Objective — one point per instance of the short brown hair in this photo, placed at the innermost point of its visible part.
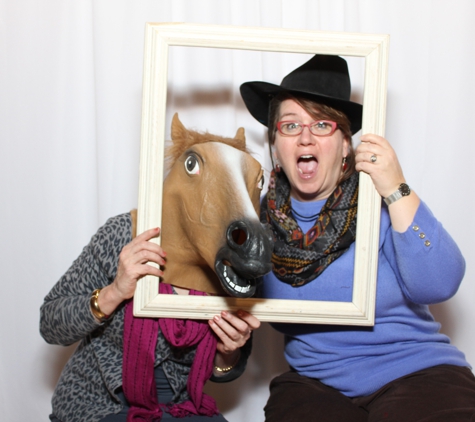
(317, 111)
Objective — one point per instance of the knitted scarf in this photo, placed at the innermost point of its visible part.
(140, 338)
(298, 257)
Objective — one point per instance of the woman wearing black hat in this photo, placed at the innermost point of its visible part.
(402, 369)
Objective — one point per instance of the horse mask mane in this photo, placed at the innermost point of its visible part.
(210, 226)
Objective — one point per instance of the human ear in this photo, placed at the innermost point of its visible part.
(346, 147)
(275, 159)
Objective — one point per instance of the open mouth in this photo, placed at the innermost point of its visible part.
(307, 165)
(232, 283)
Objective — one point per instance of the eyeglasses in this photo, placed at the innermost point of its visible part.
(317, 128)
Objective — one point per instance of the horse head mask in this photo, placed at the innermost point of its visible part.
(210, 226)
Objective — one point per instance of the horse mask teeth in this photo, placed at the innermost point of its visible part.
(233, 284)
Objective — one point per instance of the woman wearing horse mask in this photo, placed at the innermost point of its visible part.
(127, 368)
(402, 369)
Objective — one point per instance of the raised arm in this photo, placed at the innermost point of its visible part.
(134, 263)
(110, 262)
(376, 157)
(430, 264)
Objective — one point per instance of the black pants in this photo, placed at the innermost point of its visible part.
(443, 393)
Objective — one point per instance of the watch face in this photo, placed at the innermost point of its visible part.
(404, 189)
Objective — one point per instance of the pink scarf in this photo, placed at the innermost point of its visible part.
(140, 338)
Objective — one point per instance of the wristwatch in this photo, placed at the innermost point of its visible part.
(403, 190)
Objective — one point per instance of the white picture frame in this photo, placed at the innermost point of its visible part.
(159, 37)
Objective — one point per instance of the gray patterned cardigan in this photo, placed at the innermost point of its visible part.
(91, 379)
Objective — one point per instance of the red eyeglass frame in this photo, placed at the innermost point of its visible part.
(333, 124)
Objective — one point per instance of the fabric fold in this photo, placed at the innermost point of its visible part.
(140, 338)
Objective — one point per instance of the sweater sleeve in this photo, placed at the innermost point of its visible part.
(430, 264)
(65, 315)
(238, 370)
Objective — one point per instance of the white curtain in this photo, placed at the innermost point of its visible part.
(70, 109)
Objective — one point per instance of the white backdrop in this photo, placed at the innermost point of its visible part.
(70, 105)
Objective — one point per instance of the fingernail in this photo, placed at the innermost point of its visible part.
(224, 313)
(216, 318)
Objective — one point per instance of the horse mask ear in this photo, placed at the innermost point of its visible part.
(241, 138)
(178, 130)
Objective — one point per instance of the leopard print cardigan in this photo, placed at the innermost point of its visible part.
(89, 383)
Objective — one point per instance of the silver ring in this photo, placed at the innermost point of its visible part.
(373, 158)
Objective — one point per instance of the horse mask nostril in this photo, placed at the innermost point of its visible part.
(237, 233)
(239, 236)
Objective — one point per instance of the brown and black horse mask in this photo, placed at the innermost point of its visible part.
(211, 232)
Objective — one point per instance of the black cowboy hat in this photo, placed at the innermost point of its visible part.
(323, 79)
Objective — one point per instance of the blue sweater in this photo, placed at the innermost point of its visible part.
(405, 338)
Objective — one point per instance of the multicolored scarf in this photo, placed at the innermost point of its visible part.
(140, 338)
(299, 258)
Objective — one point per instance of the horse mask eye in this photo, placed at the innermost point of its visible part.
(192, 166)
(260, 183)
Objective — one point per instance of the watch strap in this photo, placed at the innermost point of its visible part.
(403, 190)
